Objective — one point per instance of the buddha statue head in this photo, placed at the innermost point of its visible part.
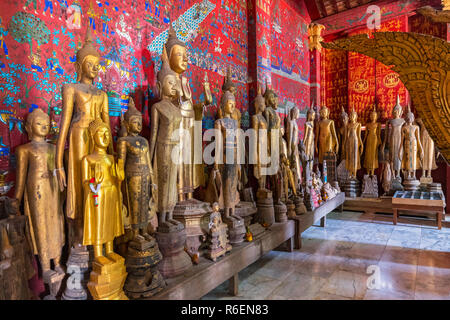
(397, 111)
(324, 112)
(344, 116)
(374, 115)
(99, 132)
(88, 59)
(38, 124)
(228, 103)
(353, 116)
(270, 97)
(167, 84)
(311, 114)
(260, 104)
(133, 119)
(228, 84)
(294, 113)
(409, 118)
(176, 52)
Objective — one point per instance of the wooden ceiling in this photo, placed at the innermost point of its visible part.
(319, 9)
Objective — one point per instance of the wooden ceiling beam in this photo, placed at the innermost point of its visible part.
(322, 9)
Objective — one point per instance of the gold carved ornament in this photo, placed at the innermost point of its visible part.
(423, 63)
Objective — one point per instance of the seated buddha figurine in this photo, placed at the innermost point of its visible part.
(102, 176)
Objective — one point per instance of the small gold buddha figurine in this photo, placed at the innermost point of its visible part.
(372, 141)
(38, 186)
(259, 124)
(191, 171)
(410, 147)
(101, 178)
(353, 145)
(393, 138)
(218, 243)
(308, 138)
(326, 138)
(429, 153)
(133, 150)
(166, 118)
(342, 133)
(226, 163)
(292, 139)
(82, 103)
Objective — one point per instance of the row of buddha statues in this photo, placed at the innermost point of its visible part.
(128, 207)
(406, 147)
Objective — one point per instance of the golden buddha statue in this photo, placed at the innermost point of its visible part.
(308, 137)
(227, 163)
(353, 145)
(292, 139)
(166, 118)
(372, 141)
(393, 138)
(326, 138)
(259, 123)
(228, 85)
(133, 150)
(101, 178)
(342, 133)
(429, 153)
(191, 172)
(42, 200)
(410, 147)
(82, 103)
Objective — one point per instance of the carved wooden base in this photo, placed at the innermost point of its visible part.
(78, 268)
(370, 187)
(144, 280)
(291, 208)
(246, 210)
(236, 229)
(396, 185)
(280, 212)
(300, 207)
(411, 184)
(175, 260)
(106, 281)
(351, 188)
(191, 213)
(53, 280)
(264, 203)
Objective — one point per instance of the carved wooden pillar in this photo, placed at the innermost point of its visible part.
(315, 37)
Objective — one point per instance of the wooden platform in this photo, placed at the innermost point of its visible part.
(304, 221)
(207, 275)
(369, 205)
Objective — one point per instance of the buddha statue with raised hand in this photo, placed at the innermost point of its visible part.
(101, 177)
(82, 103)
(38, 186)
(410, 147)
(166, 118)
(326, 138)
(133, 150)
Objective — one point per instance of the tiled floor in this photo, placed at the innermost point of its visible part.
(412, 259)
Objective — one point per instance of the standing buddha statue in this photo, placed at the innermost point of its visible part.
(410, 148)
(292, 137)
(372, 141)
(393, 138)
(259, 124)
(342, 133)
(103, 221)
(191, 173)
(429, 154)
(82, 103)
(228, 85)
(326, 139)
(226, 150)
(353, 146)
(308, 137)
(38, 186)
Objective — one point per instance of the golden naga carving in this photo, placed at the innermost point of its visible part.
(423, 63)
(315, 36)
(435, 15)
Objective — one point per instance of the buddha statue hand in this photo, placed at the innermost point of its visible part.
(61, 176)
(13, 207)
(120, 167)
